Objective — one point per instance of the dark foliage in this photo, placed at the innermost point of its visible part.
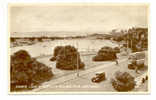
(53, 59)
(123, 82)
(105, 54)
(26, 71)
(68, 58)
(56, 51)
(116, 50)
(137, 39)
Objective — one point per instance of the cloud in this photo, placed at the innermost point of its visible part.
(76, 18)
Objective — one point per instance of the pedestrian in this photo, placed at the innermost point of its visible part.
(136, 69)
(146, 77)
(143, 80)
(116, 59)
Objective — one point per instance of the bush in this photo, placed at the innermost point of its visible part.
(26, 71)
(53, 59)
(68, 58)
(105, 54)
(123, 81)
(117, 50)
(56, 51)
(98, 58)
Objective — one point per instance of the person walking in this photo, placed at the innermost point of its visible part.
(135, 64)
(136, 69)
(116, 58)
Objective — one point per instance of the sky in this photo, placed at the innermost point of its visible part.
(78, 17)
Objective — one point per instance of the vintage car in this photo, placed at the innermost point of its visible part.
(99, 77)
(136, 60)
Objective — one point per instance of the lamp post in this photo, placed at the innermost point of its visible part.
(77, 71)
(64, 46)
(127, 40)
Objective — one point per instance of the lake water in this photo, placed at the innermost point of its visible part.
(46, 48)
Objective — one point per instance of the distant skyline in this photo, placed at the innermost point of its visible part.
(83, 18)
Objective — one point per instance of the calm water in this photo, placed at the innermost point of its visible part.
(46, 48)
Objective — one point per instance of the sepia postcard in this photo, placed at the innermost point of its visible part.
(78, 48)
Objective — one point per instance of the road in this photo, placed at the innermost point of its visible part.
(83, 83)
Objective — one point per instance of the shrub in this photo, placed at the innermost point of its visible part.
(56, 51)
(104, 54)
(27, 71)
(123, 81)
(117, 50)
(53, 59)
(98, 58)
(68, 58)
